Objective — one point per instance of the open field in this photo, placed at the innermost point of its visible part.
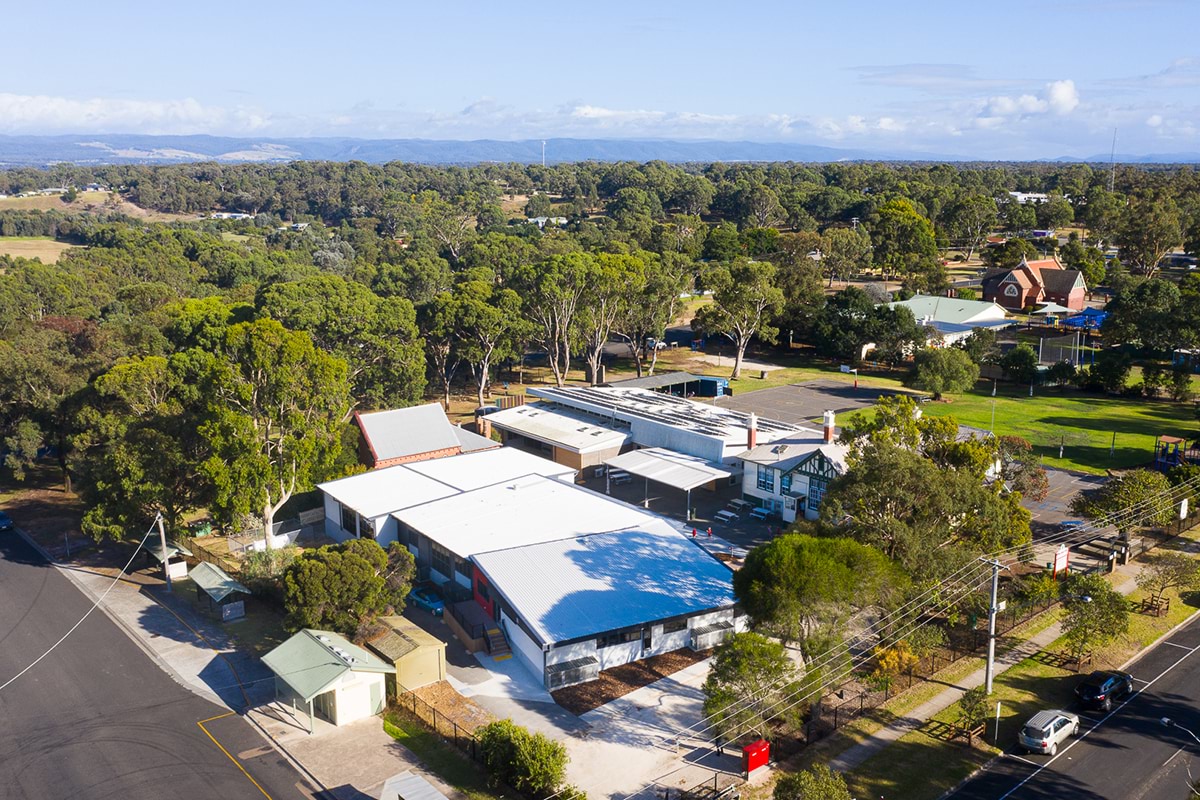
(88, 202)
(41, 247)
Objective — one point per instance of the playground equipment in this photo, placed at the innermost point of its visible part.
(1171, 451)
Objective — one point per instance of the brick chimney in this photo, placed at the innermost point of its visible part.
(752, 432)
(829, 426)
(483, 426)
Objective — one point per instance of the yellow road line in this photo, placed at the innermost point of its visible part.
(226, 752)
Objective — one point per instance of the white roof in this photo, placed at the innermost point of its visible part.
(381, 491)
(950, 309)
(515, 513)
(786, 454)
(666, 466)
(407, 786)
(570, 430)
(405, 432)
(579, 587)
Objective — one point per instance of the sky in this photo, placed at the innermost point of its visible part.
(980, 80)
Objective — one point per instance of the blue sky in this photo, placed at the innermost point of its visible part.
(1013, 80)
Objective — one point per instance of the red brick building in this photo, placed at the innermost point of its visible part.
(1032, 283)
(407, 435)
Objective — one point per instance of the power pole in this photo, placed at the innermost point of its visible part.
(162, 543)
(992, 611)
(544, 153)
(1112, 163)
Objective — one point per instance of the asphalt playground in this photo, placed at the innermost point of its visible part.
(804, 403)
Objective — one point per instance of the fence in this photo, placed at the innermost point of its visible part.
(439, 723)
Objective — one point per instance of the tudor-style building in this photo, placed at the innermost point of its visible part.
(790, 476)
(1033, 282)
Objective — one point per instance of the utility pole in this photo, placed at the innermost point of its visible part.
(991, 655)
(162, 543)
(544, 154)
(1112, 163)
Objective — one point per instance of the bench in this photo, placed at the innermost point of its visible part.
(616, 476)
(761, 513)
(725, 516)
(738, 505)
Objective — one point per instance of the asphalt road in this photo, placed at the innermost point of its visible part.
(98, 719)
(1127, 754)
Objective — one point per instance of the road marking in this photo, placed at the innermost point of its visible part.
(226, 752)
(1180, 646)
(1172, 758)
(1024, 760)
(1088, 732)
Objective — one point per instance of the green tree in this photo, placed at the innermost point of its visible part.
(1163, 571)
(1148, 315)
(538, 206)
(339, 587)
(551, 292)
(491, 326)
(971, 220)
(1055, 212)
(1150, 228)
(804, 589)
(939, 370)
(1020, 364)
(1138, 498)
(844, 250)
(745, 299)
(528, 762)
(1088, 260)
(749, 677)
(817, 783)
(276, 407)
(1096, 614)
(613, 287)
(905, 245)
(980, 346)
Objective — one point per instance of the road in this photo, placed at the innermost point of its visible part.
(98, 719)
(1127, 754)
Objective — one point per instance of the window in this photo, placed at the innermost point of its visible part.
(785, 483)
(365, 529)
(1011, 290)
(613, 639)
(463, 567)
(766, 479)
(349, 520)
(675, 626)
(481, 589)
(441, 559)
(405, 534)
(816, 492)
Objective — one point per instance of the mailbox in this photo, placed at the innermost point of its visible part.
(755, 757)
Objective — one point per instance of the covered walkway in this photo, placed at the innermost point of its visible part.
(669, 468)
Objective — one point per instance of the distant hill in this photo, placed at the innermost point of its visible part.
(136, 149)
(87, 149)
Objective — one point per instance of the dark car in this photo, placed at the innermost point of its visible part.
(6, 523)
(1103, 687)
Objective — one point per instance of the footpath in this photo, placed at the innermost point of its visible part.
(915, 718)
(346, 763)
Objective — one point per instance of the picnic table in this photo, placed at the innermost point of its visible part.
(725, 515)
(738, 505)
(761, 513)
(619, 476)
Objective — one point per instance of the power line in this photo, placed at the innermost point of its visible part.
(95, 605)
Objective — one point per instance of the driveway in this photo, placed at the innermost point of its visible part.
(1049, 514)
(804, 403)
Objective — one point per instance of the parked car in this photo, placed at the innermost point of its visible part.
(1102, 687)
(426, 598)
(1045, 730)
(6, 523)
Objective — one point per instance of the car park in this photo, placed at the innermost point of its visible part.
(6, 523)
(1046, 730)
(426, 598)
(1103, 688)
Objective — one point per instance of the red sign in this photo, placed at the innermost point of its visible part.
(755, 755)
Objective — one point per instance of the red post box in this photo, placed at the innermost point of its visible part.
(755, 756)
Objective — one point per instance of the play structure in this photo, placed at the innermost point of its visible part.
(1172, 451)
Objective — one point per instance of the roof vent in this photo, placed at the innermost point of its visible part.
(322, 637)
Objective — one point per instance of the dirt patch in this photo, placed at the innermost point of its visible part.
(48, 515)
(47, 250)
(462, 711)
(620, 681)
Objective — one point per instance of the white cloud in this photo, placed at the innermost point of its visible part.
(44, 113)
(1154, 120)
(1062, 97)
(1058, 97)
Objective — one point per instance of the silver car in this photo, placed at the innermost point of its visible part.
(1045, 730)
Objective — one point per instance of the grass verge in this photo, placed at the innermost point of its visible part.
(440, 758)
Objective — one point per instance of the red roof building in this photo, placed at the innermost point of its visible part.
(1031, 283)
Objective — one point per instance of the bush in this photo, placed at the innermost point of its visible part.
(818, 783)
(973, 708)
(528, 762)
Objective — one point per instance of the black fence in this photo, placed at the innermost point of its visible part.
(439, 723)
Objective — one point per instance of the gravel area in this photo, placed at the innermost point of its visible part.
(620, 681)
(468, 714)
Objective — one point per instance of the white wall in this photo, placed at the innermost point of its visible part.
(652, 434)
(619, 654)
(524, 648)
(666, 642)
(386, 530)
(354, 696)
(570, 652)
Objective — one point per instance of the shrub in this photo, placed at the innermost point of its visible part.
(528, 762)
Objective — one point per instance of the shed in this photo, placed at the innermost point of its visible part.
(334, 679)
(219, 590)
(407, 786)
(175, 557)
(418, 656)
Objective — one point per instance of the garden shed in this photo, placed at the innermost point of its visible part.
(418, 656)
(222, 593)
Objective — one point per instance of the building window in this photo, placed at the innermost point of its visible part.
(365, 529)
(785, 483)
(766, 479)
(816, 492)
(463, 567)
(441, 559)
(481, 589)
(1011, 290)
(613, 639)
(349, 520)
(674, 626)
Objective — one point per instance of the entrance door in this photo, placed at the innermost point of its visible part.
(376, 697)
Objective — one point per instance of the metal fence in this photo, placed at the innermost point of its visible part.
(439, 723)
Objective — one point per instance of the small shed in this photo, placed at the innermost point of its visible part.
(418, 656)
(407, 786)
(333, 679)
(219, 591)
(175, 557)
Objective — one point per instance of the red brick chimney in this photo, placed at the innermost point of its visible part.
(829, 426)
(483, 426)
(752, 432)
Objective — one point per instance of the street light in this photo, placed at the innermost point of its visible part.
(1170, 723)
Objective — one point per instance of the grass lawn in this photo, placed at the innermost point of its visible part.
(439, 757)
(42, 247)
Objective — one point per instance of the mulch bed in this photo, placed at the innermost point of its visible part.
(620, 681)
(468, 714)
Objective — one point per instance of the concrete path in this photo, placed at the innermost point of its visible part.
(905, 725)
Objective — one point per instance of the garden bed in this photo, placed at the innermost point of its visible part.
(620, 681)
